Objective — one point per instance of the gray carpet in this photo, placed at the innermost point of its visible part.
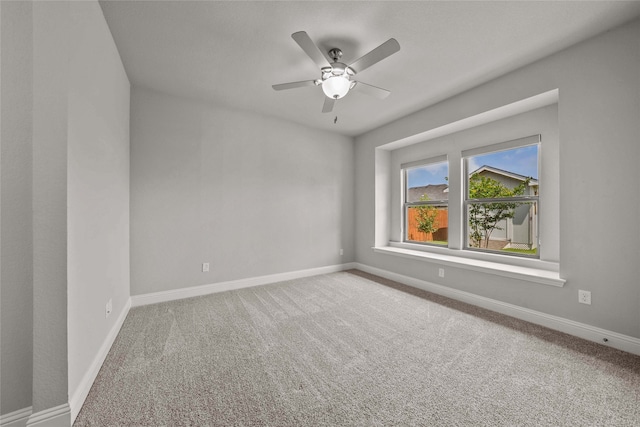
(351, 349)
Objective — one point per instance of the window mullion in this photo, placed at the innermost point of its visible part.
(506, 199)
(427, 203)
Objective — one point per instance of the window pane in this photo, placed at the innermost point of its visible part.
(428, 224)
(508, 173)
(428, 182)
(510, 227)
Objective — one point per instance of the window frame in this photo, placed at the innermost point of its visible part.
(404, 168)
(467, 201)
(537, 114)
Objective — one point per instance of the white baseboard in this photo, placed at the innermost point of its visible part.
(80, 394)
(17, 418)
(581, 330)
(58, 416)
(196, 291)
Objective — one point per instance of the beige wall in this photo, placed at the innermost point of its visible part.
(598, 110)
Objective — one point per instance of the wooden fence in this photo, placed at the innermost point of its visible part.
(442, 222)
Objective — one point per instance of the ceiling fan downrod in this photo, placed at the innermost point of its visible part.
(335, 54)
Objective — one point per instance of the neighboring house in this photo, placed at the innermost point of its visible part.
(433, 192)
(508, 179)
(518, 232)
(521, 231)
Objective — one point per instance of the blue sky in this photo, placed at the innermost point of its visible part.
(434, 173)
(521, 160)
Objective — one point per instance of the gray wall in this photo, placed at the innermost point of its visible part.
(51, 49)
(598, 113)
(64, 194)
(16, 278)
(249, 194)
(97, 190)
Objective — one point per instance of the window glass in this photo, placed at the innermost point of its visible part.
(426, 203)
(501, 201)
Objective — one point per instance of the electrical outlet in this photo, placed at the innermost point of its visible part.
(584, 297)
(108, 308)
(441, 272)
(341, 252)
(205, 267)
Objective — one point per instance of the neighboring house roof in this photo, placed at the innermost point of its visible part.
(433, 192)
(485, 168)
(441, 191)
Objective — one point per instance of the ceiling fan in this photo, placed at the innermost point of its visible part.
(337, 78)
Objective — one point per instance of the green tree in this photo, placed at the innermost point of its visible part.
(484, 218)
(426, 217)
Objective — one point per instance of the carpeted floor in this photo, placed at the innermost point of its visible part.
(351, 349)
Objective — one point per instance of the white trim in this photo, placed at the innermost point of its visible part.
(528, 104)
(82, 391)
(57, 416)
(424, 162)
(502, 146)
(520, 272)
(581, 330)
(17, 418)
(195, 291)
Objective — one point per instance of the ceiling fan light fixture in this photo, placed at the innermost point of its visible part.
(336, 86)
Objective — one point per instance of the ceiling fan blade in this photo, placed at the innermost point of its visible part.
(378, 92)
(294, 85)
(386, 49)
(310, 48)
(328, 104)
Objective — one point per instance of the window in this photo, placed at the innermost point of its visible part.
(501, 196)
(497, 199)
(425, 201)
(463, 145)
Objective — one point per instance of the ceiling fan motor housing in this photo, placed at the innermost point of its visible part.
(336, 79)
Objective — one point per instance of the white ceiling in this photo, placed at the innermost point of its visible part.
(231, 52)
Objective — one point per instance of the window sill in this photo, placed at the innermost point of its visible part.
(530, 274)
